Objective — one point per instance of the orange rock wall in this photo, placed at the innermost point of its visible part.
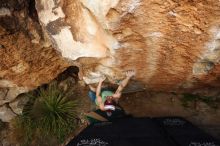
(172, 45)
(166, 41)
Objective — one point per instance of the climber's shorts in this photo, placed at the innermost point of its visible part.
(92, 95)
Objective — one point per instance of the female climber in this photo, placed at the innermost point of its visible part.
(106, 99)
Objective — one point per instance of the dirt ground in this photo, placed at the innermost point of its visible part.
(155, 104)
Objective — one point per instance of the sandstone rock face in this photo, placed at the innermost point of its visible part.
(27, 59)
(6, 114)
(172, 45)
(9, 91)
(18, 104)
(25, 47)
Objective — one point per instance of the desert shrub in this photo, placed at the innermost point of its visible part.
(49, 113)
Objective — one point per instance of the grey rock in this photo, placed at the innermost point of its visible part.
(3, 94)
(9, 91)
(14, 92)
(202, 67)
(214, 56)
(18, 104)
(5, 142)
(5, 12)
(6, 114)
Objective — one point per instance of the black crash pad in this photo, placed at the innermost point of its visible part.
(184, 133)
(165, 131)
(122, 132)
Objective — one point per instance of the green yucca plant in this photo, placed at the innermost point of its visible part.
(52, 112)
(24, 129)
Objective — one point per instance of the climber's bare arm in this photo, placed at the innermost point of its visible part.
(101, 104)
(123, 84)
(98, 91)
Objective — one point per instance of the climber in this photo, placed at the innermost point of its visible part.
(106, 99)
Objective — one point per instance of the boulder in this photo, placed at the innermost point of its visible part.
(6, 114)
(18, 104)
(172, 45)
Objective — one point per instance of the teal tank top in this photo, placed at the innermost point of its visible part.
(104, 94)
